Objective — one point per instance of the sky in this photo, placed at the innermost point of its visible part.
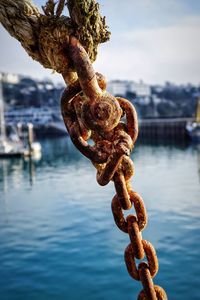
(151, 40)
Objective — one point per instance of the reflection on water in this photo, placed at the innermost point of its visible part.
(14, 170)
(58, 238)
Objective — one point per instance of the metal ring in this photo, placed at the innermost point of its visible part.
(160, 293)
(151, 258)
(118, 215)
(147, 282)
(135, 237)
(131, 116)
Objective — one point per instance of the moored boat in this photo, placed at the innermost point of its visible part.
(193, 128)
(15, 147)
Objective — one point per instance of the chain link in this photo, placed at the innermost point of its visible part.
(90, 112)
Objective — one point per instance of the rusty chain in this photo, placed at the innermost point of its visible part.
(90, 112)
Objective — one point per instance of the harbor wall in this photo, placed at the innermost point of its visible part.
(169, 129)
(149, 129)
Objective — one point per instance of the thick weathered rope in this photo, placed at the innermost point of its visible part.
(45, 35)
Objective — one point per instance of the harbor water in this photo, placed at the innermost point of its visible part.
(58, 239)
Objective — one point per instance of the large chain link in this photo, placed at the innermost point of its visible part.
(90, 112)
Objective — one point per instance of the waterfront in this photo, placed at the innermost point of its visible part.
(58, 237)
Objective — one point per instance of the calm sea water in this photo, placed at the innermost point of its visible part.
(58, 239)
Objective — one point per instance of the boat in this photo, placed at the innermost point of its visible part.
(8, 151)
(34, 149)
(7, 148)
(15, 147)
(193, 128)
(47, 122)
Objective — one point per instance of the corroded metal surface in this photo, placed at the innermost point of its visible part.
(90, 112)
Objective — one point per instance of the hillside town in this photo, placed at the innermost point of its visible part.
(151, 101)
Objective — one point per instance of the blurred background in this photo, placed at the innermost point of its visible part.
(58, 237)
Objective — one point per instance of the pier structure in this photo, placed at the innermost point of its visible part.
(169, 128)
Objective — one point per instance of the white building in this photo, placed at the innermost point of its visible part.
(118, 87)
(121, 87)
(141, 89)
(9, 78)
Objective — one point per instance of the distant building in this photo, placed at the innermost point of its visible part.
(9, 78)
(158, 88)
(141, 89)
(118, 87)
(122, 87)
(156, 100)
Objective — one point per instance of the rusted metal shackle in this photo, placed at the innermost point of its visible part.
(71, 107)
(101, 111)
(98, 153)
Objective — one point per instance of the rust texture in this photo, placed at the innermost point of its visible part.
(90, 112)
